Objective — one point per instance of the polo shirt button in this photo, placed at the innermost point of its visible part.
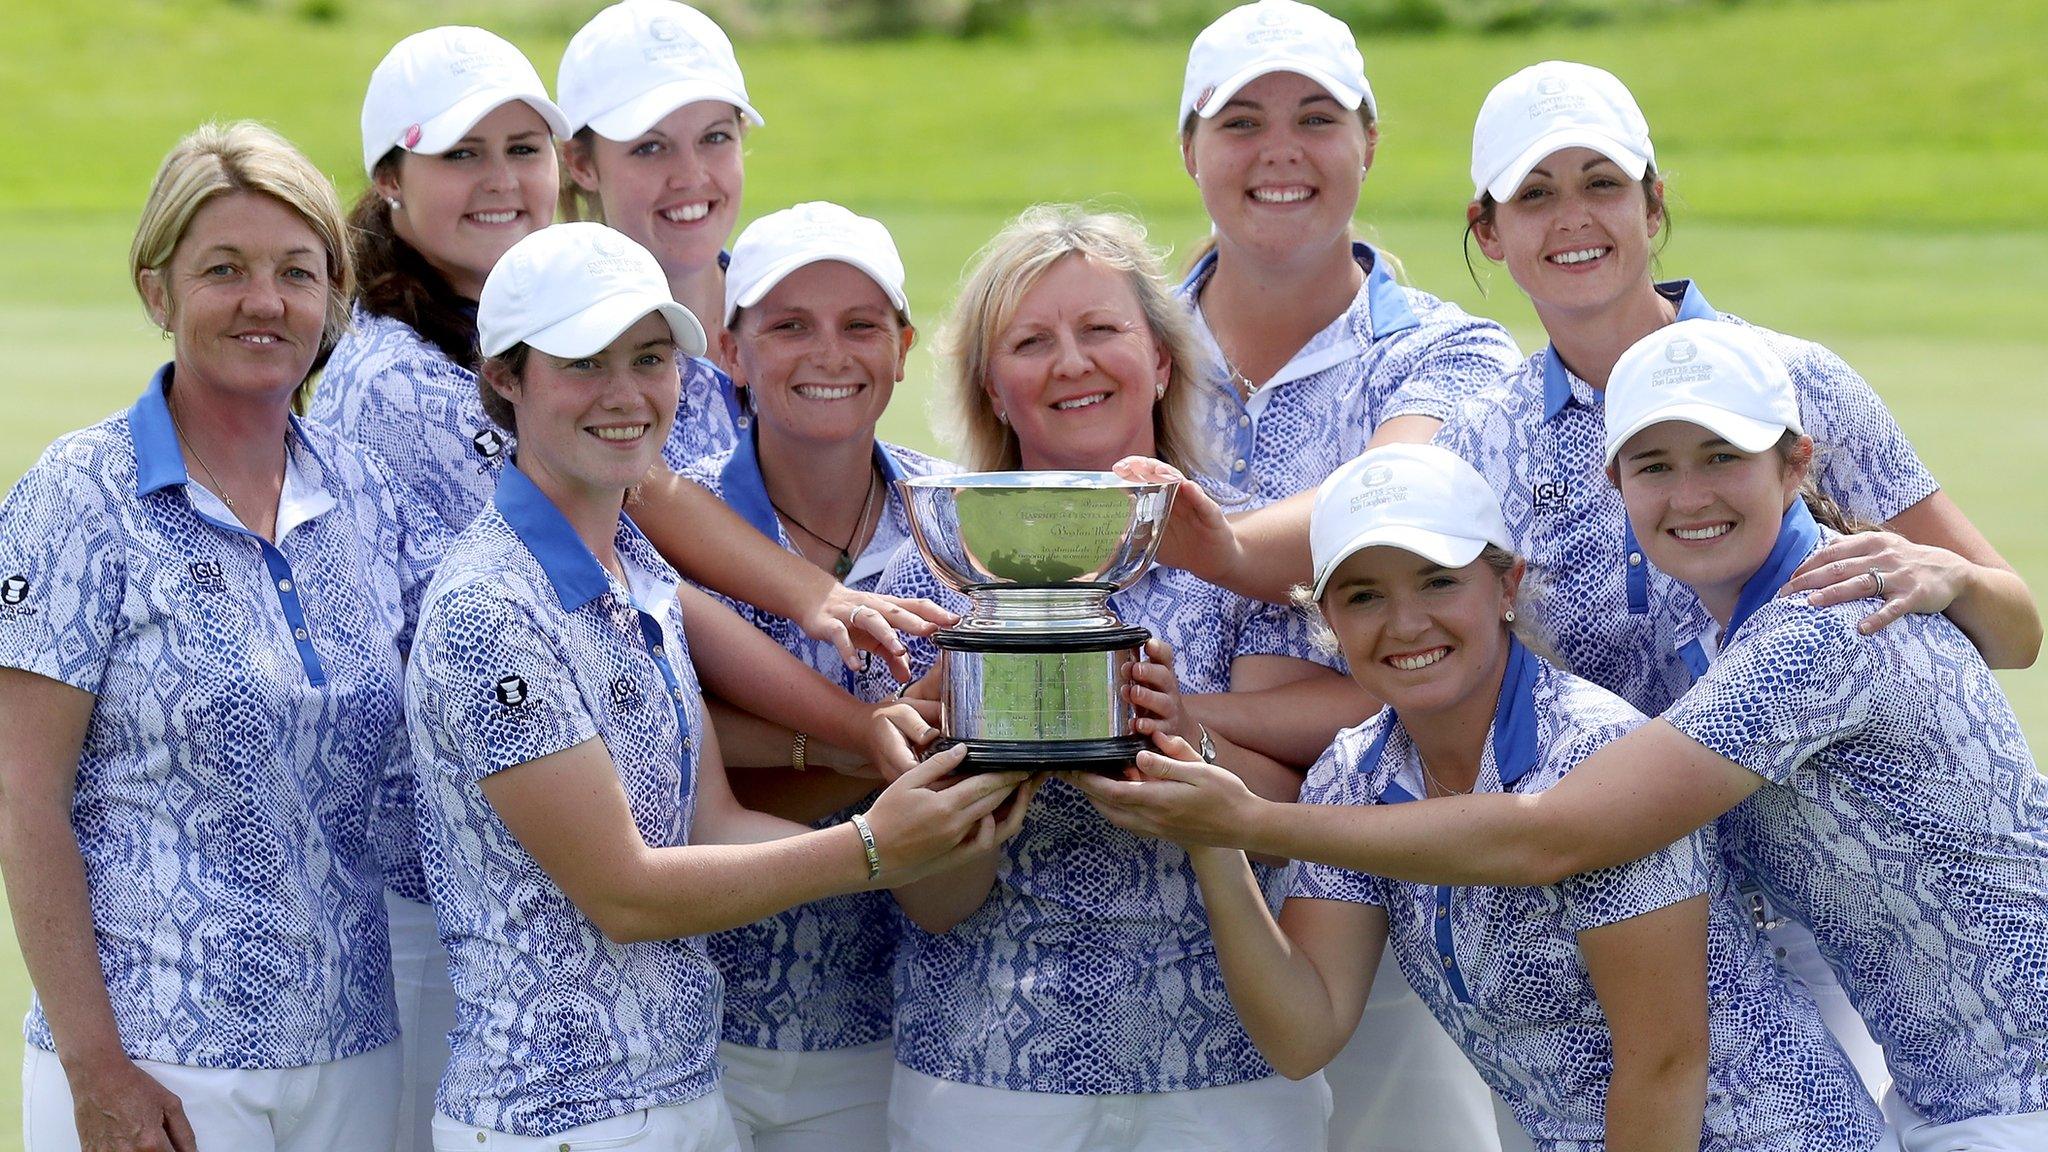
(284, 585)
(480, 1137)
(1635, 558)
(298, 633)
(1238, 464)
(1442, 912)
(1244, 421)
(1447, 961)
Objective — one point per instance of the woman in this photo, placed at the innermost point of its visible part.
(200, 661)
(576, 801)
(1315, 350)
(1066, 995)
(657, 109)
(816, 329)
(1628, 1008)
(1913, 843)
(1568, 197)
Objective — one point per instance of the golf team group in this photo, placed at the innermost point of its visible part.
(477, 697)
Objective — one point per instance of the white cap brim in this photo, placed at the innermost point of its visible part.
(1435, 547)
(1343, 93)
(593, 329)
(1504, 182)
(780, 272)
(442, 132)
(1744, 432)
(636, 116)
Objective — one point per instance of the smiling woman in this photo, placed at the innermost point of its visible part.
(201, 647)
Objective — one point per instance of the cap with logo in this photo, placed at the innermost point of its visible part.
(1248, 42)
(779, 243)
(1415, 497)
(571, 289)
(1720, 376)
(433, 86)
(1548, 107)
(639, 60)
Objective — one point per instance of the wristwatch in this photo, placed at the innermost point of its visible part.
(1206, 747)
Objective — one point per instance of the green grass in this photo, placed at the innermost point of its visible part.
(1863, 173)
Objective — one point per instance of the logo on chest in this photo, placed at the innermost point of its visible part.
(627, 693)
(489, 444)
(511, 691)
(1552, 495)
(13, 590)
(207, 576)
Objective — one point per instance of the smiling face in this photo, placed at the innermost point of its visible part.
(1576, 233)
(463, 208)
(1706, 512)
(1077, 369)
(675, 189)
(1423, 638)
(1279, 166)
(821, 354)
(244, 296)
(591, 427)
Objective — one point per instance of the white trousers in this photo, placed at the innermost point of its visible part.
(1908, 1131)
(426, 1014)
(835, 1101)
(702, 1125)
(1276, 1114)
(1402, 1084)
(1799, 955)
(341, 1106)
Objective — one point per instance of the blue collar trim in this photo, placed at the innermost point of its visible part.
(1798, 536)
(746, 490)
(159, 463)
(1513, 734)
(1557, 383)
(1385, 301)
(574, 572)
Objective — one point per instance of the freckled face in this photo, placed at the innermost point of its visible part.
(594, 425)
(1418, 636)
(1706, 512)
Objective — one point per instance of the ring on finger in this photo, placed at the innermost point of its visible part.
(1877, 583)
(857, 610)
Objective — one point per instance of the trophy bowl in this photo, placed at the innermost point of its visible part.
(1030, 678)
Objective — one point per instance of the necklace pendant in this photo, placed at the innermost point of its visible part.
(842, 566)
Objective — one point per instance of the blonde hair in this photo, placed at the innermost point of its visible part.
(1007, 268)
(1528, 626)
(244, 156)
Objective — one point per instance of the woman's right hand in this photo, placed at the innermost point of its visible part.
(120, 1108)
(1199, 537)
(930, 820)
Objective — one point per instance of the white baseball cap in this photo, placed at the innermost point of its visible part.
(639, 60)
(570, 289)
(779, 243)
(1415, 497)
(1247, 42)
(1551, 106)
(1720, 376)
(433, 86)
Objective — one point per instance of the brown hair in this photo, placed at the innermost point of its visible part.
(398, 282)
(1207, 243)
(1004, 270)
(510, 365)
(217, 159)
(1653, 197)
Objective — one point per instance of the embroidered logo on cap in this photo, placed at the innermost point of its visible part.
(1377, 487)
(412, 137)
(511, 691)
(1550, 85)
(1202, 101)
(1681, 351)
(663, 28)
(13, 590)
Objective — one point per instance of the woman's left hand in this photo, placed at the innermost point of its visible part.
(1910, 577)
(857, 622)
(1176, 797)
(1151, 687)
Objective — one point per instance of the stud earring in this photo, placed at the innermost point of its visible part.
(391, 202)
(1002, 417)
(1159, 392)
(1508, 617)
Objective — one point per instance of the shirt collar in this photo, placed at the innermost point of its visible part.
(1557, 379)
(576, 575)
(746, 490)
(160, 464)
(1386, 305)
(1798, 536)
(1513, 734)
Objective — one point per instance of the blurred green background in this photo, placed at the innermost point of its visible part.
(1867, 173)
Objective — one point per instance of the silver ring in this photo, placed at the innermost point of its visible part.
(857, 610)
(1877, 582)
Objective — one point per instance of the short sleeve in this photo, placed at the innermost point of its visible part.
(1670, 875)
(1457, 356)
(1335, 778)
(496, 689)
(62, 575)
(1795, 680)
(1283, 630)
(1865, 462)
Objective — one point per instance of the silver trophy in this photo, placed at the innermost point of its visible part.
(1030, 678)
